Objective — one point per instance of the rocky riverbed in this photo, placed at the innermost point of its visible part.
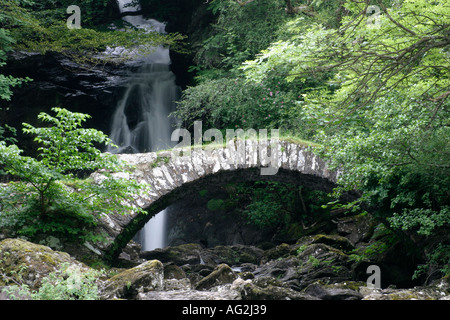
(317, 267)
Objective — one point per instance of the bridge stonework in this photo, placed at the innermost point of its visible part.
(179, 172)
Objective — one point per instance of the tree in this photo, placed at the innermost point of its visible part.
(382, 113)
(47, 196)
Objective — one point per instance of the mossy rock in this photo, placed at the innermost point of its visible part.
(172, 271)
(357, 228)
(334, 241)
(236, 254)
(148, 276)
(222, 274)
(179, 255)
(402, 294)
(319, 261)
(348, 290)
(268, 288)
(28, 263)
(279, 251)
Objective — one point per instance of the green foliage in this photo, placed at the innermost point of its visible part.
(215, 204)
(231, 103)
(382, 239)
(47, 198)
(372, 91)
(41, 27)
(437, 259)
(382, 114)
(70, 282)
(275, 205)
(240, 32)
(223, 98)
(423, 221)
(6, 43)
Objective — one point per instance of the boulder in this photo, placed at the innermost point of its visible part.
(267, 288)
(177, 284)
(28, 263)
(357, 228)
(179, 255)
(233, 255)
(219, 294)
(334, 241)
(148, 276)
(438, 290)
(222, 274)
(172, 271)
(284, 269)
(307, 264)
(322, 262)
(279, 251)
(338, 291)
(396, 294)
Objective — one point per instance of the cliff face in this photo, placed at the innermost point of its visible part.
(59, 82)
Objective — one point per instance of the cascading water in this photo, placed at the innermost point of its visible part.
(141, 121)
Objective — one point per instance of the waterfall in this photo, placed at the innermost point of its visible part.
(141, 120)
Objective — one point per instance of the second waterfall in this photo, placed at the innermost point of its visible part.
(141, 121)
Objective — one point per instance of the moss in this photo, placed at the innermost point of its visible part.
(148, 276)
(25, 262)
(215, 204)
(408, 295)
(159, 161)
(334, 241)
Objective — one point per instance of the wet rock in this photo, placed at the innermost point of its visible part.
(60, 81)
(438, 290)
(219, 293)
(336, 291)
(279, 251)
(130, 255)
(236, 254)
(393, 294)
(284, 269)
(222, 274)
(267, 288)
(146, 277)
(179, 255)
(172, 271)
(357, 228)
(177, 284)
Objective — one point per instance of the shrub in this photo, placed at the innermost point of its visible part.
(47, 198)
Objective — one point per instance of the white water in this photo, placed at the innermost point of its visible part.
(141, 120)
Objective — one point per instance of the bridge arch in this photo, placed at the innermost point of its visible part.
(179, 173)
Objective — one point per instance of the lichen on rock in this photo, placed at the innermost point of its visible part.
(23, 262)
(147, 276)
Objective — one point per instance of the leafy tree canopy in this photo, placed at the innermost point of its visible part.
(382, 114)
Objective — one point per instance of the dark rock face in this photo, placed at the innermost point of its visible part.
(60, 82)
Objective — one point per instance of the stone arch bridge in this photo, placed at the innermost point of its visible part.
(178, 173)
